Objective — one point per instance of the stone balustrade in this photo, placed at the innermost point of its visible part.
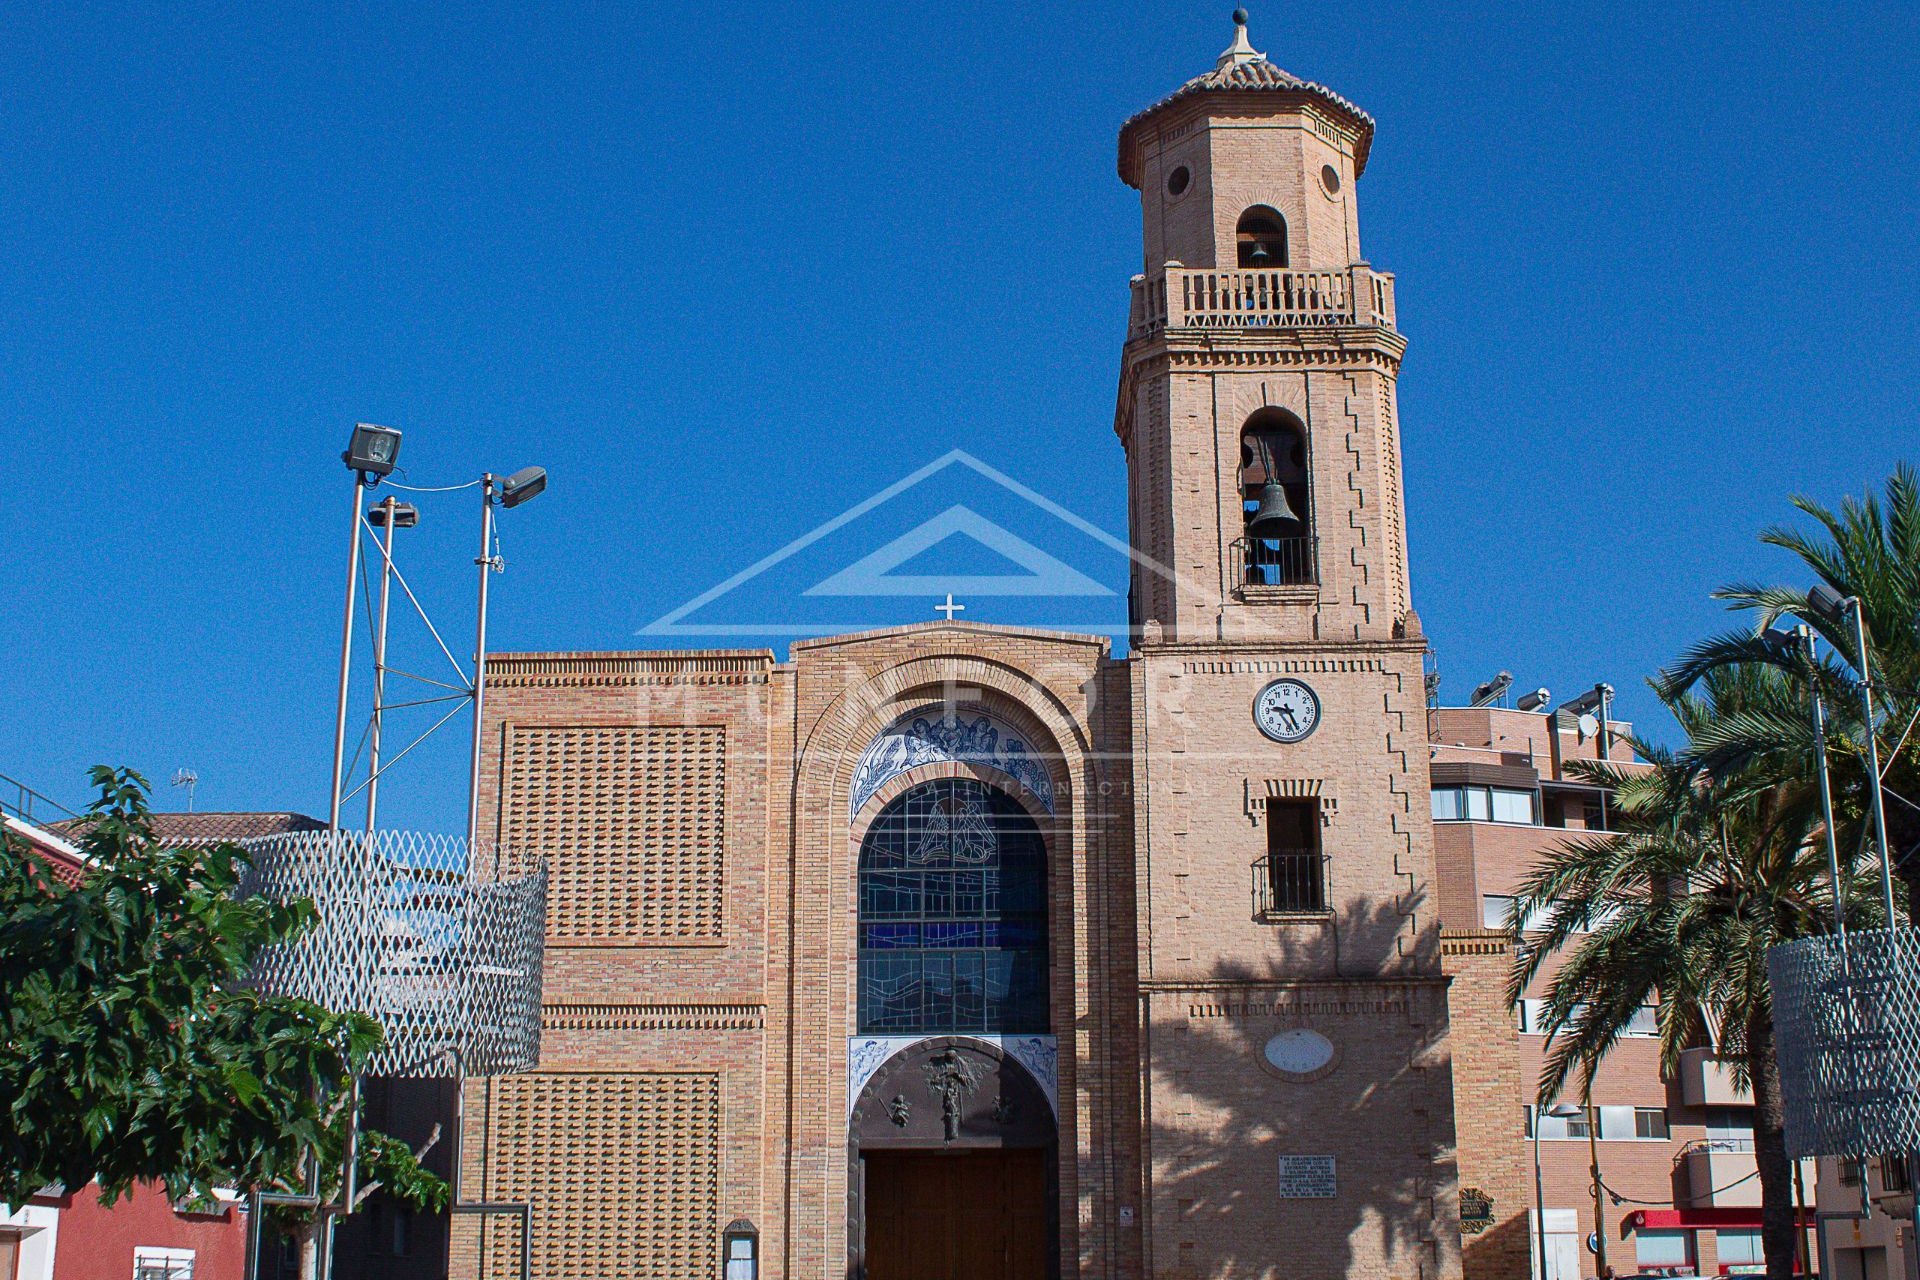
(1208, 298)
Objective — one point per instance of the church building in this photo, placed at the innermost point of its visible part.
(957, 950)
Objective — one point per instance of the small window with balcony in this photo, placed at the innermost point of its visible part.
(1261, 237)
(1291, 879)
(1275, 503)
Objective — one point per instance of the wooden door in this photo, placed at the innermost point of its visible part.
(974, 1215)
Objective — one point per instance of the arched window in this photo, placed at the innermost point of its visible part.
(953, 914)
(1262, 237)
(1275, 501)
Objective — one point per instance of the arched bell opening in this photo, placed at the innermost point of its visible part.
(1276, 499)
(1261, 238)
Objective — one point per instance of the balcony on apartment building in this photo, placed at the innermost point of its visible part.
(1720, 1169)
(1721, 1174)
(1707, 1081)
(1179, 297)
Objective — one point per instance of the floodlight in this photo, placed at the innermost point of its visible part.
(372, 451)
(405, 515)
(522, 485)
(1827, 602)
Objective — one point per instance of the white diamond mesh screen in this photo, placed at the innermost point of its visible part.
(1847, 1034)
(440, 947)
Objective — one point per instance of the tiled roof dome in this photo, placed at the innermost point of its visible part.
(1242, 68)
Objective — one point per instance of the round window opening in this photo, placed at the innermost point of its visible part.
(1178, 181)
(1330, 179)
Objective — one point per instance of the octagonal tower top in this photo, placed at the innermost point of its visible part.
(1256, 88)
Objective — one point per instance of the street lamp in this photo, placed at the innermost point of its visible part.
(1559, 1111)
(522, 486)
(372, 452)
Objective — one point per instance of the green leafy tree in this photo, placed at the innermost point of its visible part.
(134, 1050)
(1869, 548)
(1677, 909)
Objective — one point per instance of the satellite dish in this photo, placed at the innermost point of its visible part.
(1589, 726)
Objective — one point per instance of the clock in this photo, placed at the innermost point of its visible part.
(1287, 710)
(1300, 1054)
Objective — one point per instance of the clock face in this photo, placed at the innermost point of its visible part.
(1299, 1052)
(1287, 710)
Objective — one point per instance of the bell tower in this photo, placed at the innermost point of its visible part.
(1257, 385)
(1297, 1099)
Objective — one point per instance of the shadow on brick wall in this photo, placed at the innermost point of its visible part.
(1384, 1111)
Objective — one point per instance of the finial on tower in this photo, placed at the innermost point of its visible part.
(1240, 50)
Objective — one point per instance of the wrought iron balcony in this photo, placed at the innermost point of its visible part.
(1274, 562)
(1206, 298)
(1290, 883)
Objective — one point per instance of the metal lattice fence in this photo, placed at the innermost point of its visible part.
(435, 941)
(1847, 1034)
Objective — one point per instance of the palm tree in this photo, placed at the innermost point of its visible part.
(1677, 909)
(1869, 549)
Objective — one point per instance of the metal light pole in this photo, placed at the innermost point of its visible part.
(485, 560)
(522, 486)
(1559, 1111)
(371, 453)
(1835, 608)
(1879, 804)
(391, 514)
(1805, 634)
(346, 655)
(1599, 1207)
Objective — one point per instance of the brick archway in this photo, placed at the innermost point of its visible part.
(868, 695)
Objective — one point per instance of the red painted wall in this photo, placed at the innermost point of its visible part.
(97, 1242)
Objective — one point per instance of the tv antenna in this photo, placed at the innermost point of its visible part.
(189, 779)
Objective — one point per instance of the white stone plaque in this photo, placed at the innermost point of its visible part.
(1306, 1178)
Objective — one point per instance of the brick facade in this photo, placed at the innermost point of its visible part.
(698, 812)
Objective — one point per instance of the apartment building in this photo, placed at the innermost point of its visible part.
(1681, 1195)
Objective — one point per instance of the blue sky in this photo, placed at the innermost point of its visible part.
(727, 271)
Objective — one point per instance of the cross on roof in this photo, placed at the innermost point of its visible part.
(949, 608)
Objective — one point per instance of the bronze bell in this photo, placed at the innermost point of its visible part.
(1259, 255)
(1274, 517)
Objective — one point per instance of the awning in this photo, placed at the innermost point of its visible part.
(1730, 1219)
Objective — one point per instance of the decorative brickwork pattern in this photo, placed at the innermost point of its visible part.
(630, 817)
(622, 1171)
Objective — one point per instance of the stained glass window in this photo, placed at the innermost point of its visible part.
(953, 915)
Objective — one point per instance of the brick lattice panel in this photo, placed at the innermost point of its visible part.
(622, 1171)
(630, 818)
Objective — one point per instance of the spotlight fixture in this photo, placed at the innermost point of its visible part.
(373, 451)
(522, 486)
(1828, 603)
(405, 515)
